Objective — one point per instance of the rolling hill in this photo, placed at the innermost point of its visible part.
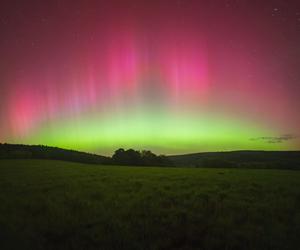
(234, 159)
(20, 151)
(241, 159)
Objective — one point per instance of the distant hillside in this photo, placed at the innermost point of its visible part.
(19, 151)
(234, 159)
(128, 157)
(241, 159)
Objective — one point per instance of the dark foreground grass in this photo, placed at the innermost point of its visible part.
(60, 205)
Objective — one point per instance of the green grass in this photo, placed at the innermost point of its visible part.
(61, 205)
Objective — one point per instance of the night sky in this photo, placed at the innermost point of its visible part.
(172, 76)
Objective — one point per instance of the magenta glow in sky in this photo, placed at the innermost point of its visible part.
(172, 76)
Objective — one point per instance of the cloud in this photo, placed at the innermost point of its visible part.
(275, 139)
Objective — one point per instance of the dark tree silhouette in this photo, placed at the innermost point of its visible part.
(121, 156)
(127, 157)
(143, 158)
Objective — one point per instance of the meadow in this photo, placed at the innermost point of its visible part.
(47, 204)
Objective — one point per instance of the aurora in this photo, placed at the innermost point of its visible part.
(170, 77)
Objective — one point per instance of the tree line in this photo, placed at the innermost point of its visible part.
(139, 158)
(120, 156)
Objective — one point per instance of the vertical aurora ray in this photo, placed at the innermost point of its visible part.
(121, 76)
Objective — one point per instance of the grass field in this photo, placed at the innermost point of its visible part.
(61, 205)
